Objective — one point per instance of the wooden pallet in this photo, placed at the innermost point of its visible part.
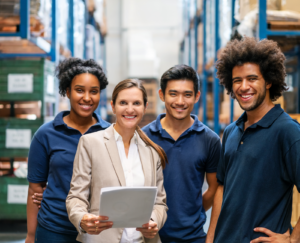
(284, 25)
(19, 46)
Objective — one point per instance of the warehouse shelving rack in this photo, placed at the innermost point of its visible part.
(40, 68)
(51, 50)
(193, 28)
(263, 32)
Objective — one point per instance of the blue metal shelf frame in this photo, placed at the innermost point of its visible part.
(24, 33)
(196, 23)
(24, 21)
(189, 33)
(204, 75)
(216, 88)
(263, 31)
(71, 27)
(232, 25)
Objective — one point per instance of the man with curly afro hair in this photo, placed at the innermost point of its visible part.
(260, 157)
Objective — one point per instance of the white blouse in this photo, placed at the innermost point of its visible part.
(134, 176)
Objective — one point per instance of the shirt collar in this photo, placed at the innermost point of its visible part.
(157, 127)
(266, 121)
(58, 120)
(118, 137)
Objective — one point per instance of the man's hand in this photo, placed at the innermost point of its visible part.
(92, 224)
(273, 237)
(29, 239)
(149, 230)
(38, 197)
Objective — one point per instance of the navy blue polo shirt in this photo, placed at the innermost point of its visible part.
(258, 168)
(51, 157)
(195, 152)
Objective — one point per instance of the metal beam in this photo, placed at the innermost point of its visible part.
(8, 34)
(13, 55)
(262, 19)
(282, 33)
(232, 25)
(196, 106)
(54, 53)
(189, 33)
(71, 27)
(196, 36)
(24, 19)
(204, 77)
(216, 81)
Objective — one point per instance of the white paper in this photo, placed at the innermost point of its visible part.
(17, 194)
(18, 138)
(20, 83)
(127, 207)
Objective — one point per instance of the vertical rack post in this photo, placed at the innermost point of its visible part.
(262, 19)
(24, 19)
(196, 22)
(86, 19)
(204, 77)
(54, 44)
(196, 36)
(232, 25)
(71, 27)
(216, 81)
(189, 33)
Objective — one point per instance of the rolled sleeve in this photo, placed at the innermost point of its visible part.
(38, 162)
(214, 157)
(221, 165)
(292, 161)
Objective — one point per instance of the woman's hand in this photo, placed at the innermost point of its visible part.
(38, 197)
(92, 224)
(149, 230)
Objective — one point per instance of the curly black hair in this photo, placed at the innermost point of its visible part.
(264, 53)
(71, 67)
(179, 72)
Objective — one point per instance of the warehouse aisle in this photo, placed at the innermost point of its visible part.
(12, 231)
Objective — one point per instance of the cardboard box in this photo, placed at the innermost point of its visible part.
(248, 5)
(290, 5)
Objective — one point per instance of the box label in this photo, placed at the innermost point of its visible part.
(20, 83)
(18, 138)
(50, 84)
(17, 194)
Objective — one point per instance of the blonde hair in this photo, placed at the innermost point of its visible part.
(130, 83)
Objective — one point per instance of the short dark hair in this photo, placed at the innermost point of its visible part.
(71, 67)
(179, 72)
(264, 53)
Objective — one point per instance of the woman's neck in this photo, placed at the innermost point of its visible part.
(78, 122)
(126, 133)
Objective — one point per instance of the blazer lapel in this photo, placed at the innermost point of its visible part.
(112, 149)
(146, 160)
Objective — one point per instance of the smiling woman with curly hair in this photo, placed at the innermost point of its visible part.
(264, 53)
(53, 148)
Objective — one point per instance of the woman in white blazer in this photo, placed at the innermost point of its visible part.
(121, 155)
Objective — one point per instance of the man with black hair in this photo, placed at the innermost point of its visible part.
(193, 150)
(260, 157)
